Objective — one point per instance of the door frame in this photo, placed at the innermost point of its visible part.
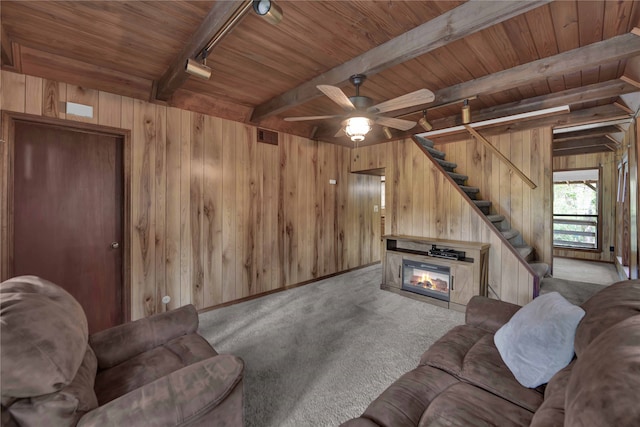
(7, 142)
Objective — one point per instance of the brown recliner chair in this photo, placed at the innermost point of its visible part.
(155, 371)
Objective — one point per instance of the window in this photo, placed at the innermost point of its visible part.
(576, 209)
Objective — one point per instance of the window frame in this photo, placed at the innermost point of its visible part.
(598, 247)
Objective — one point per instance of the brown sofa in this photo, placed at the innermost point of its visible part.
(154, 371)
(462, 381)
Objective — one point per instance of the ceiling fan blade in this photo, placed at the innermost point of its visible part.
(392, 122)
(301, 119)
(339, 133)
(337, 95)
(419, 97)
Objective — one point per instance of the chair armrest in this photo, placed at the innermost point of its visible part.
(115, 345)
(489, 314)
(176, 399)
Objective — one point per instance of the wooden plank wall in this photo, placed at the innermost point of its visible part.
(215, 216)
(608, 188)
(421, 202)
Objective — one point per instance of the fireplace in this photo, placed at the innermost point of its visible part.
(427, 279)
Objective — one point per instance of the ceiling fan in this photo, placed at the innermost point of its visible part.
(360, 113)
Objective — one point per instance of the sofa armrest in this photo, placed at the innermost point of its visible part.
(489, 314)
(176, 399)
(115, 345)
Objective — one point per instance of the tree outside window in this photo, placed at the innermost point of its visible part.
(576, 209)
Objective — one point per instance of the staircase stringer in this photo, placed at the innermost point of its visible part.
(483, 217)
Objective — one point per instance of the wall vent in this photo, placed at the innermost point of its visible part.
(267, 136)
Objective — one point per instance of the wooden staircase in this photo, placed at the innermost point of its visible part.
(513, 236)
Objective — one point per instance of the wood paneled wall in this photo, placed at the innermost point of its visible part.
(420, 201)
(216, 216)
(608, 188)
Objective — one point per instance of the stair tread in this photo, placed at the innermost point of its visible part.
(447, 164)
(459, 176)
(482, 202)
(435, 153)
(510, 233)
(524, 250)
(540, 268)
(468, 189)
(495, 218)
(424, 141)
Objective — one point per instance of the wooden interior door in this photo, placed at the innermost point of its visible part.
(68, 215)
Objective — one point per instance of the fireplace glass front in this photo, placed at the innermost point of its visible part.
(427, 279)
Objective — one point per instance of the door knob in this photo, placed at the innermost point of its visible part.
(115, 245)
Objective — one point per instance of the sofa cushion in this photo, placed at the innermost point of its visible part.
(604, 384)
(403, 402)
(538, 340)
(43, 339)
(149, 366)
(469, 353)
(606, 308)
(466, 405)
(64, 407)
(551, 412)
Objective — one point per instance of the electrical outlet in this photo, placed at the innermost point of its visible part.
(375, 208)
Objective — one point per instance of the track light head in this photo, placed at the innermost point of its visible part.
(197, 69)
(424, 122)
(387, 132)
(268, 10)
(466, 112)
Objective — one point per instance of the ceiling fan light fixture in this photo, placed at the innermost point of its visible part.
(267, 9)
(424, 122)
(357, 127)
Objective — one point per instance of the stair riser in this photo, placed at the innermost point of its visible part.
(484, 209)
(459, 181)
(472, 196)
(435, 153)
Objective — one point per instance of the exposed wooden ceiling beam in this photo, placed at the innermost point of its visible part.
(175, 76)
(575, 60)
(582, 150)
(469, 18)
(631, 73)
(616, 138)
(598, 141)
(594, 92)
(632, 100)
(589, 133)
(588, 115)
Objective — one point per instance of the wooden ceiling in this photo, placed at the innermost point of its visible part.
(263, 72)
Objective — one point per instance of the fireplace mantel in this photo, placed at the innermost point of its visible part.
(469, 274)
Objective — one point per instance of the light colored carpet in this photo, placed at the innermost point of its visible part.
(574, 292)
(601, 273)
(317, 355)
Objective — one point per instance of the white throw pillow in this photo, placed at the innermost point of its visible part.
(538, 340)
